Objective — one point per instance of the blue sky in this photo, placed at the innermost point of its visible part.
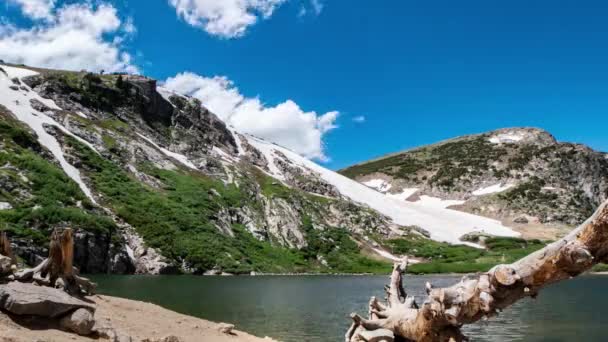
(417, 71)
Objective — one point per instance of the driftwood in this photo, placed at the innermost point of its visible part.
(58, 266)
(484, 295)
(5, 246)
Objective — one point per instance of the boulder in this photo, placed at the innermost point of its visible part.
(521, 219)
(226, 328)
(80, 321)
(28, 299)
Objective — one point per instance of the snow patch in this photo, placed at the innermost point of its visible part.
(506, 138)
(404, 194)
(267, 149)
(19, 104)
(222, 154)
(82, 115)
(179, 157)
(166, 94)
(378, 184)
(492, 189)
(387, 255)
(5, 206)
(429, 213)
(130, 253)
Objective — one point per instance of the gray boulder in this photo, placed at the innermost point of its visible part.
(80, 321)
(27, 299)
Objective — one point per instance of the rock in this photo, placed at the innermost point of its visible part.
(521, 219)
(39, 106)
(226, 328)
(27, 299)
(80, 321)
(171, 338)
(106, 331)
(5, 206)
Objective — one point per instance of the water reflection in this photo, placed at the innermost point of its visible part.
(315, 308)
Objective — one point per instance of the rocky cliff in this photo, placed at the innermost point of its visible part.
(153, 182)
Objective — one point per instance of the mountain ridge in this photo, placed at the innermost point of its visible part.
(172, 188)
(512, 174)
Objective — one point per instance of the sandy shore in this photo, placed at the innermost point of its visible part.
(136, 319)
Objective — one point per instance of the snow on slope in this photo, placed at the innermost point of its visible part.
(179, 157)
(18, 102)
(492, 189)
(378, 184)
(404, 194)
(429, 213)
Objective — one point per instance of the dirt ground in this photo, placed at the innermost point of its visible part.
(138, 320)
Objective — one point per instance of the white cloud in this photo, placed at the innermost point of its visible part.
(225, 18)
(36, 9)
(78, 36)
(285, 124)
(317, 6)
(359, 119)
(314, 7)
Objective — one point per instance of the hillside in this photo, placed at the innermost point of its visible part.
(521, 176)
(155, 183)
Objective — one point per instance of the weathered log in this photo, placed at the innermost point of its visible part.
(5, 246)
(58, 266)
(479, 296)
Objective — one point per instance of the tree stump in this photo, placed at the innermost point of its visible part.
(58, 266)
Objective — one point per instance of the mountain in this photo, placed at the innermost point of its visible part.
(153, 182)
(523, 177)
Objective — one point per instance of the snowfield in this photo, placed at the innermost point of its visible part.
(431, 214)
(378, 184)
(404, 194)
(18, 102)
(176, 156)
(492, 189)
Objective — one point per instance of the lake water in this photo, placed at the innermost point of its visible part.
(315, 308)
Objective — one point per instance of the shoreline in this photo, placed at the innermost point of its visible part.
(139, 320)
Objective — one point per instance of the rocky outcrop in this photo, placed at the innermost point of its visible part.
(28, 299)
(283, 222)
(304, 179)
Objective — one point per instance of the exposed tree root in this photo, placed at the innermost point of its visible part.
(5, 246)
(58, 270)
(445, 310)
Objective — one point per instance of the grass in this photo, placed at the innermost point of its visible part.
(42, 196)
(445, 165)
(179, 220)
(445, 258)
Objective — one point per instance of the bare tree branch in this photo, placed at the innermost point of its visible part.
(445, 310)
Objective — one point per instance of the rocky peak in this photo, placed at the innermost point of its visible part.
(521, 135)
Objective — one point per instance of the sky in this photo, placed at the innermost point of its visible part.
(343, 81)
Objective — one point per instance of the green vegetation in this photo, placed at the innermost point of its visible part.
(445, 258)
(180, 219)
(444, 165)
(41, 195)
